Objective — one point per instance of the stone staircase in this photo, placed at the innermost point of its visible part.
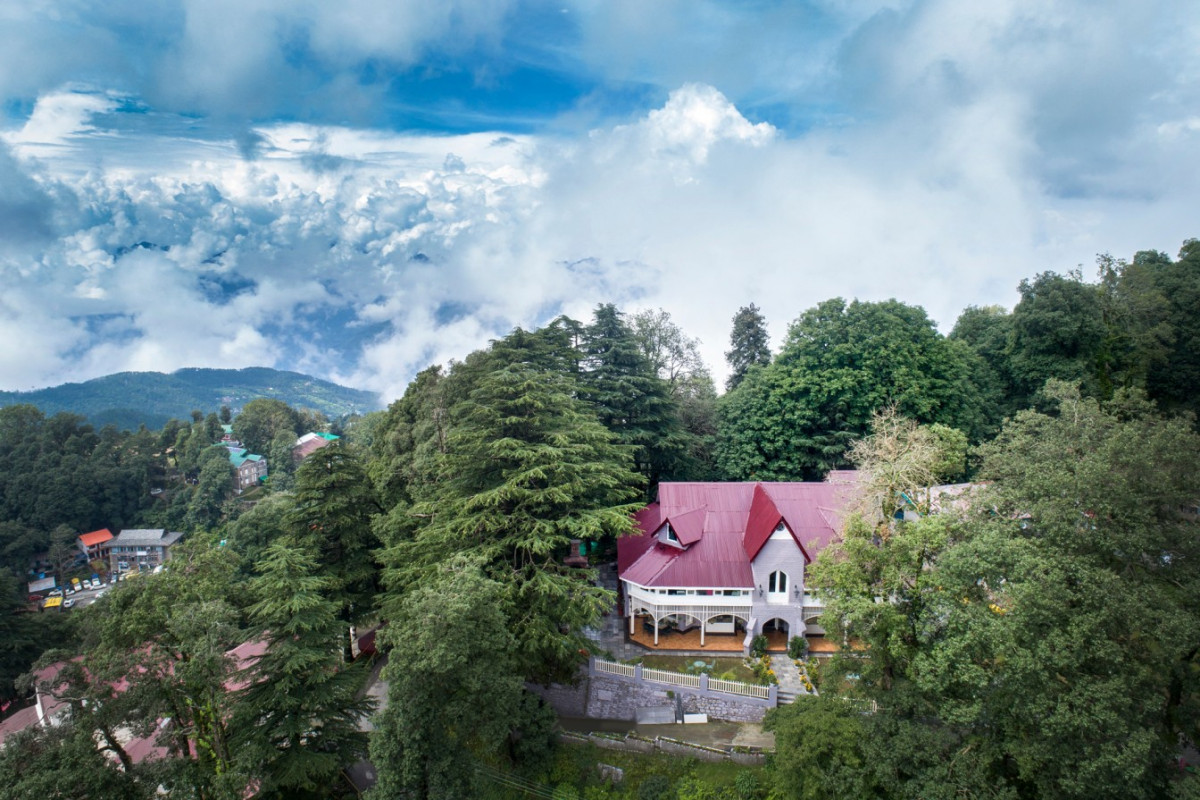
(791, 685)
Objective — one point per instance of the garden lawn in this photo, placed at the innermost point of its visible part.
(713, 667)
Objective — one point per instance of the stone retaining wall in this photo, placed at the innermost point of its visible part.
(601, 695)
(618, 697)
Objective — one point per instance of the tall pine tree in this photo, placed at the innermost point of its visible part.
(748, 344)
(527, 468)
(334, 505)
(296, 720)
(630, 399)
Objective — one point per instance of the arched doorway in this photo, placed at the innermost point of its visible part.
(777, 631)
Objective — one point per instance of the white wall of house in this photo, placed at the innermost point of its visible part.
(780, 554)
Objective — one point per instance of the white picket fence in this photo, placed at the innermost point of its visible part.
(673, 678)
(613, 668)
(737, 687)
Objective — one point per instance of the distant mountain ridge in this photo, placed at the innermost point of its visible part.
(130, 399)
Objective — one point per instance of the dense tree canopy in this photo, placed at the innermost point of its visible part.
(1048, 636)
(1037, 638)
(629, 398)
(795, 418)
(526, 469)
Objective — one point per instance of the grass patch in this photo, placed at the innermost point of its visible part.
(730, 669)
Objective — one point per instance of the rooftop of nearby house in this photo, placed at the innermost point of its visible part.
(721, 527)
(145, 536)
(309, 443)
(95, 537)
(25, 718)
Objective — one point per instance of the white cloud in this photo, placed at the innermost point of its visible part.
(954, 151)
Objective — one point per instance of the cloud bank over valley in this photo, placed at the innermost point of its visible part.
(359, 191)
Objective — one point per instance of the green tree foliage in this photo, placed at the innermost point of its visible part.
(795, 418)
(749, 345)
(213, 487)
(296, 721)
(454, 686)
(261, 419)
(332, 512)
(23, 636)
(1134, 328)
(1174, 382)
(163, 639)
(526, 469)
(59, 471)
(1044, 645)
(629, 398)
(280, 462)
(64, 762)
(675, 358)
(819, 750)
(258, 528)
(1058, 331)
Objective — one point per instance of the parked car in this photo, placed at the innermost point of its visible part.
(68, 603)
(55, 593)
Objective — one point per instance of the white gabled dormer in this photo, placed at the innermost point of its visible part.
(667, 536)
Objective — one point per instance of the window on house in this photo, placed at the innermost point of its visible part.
(777, 582)
(671, 537)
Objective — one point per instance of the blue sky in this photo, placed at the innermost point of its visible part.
(358, 189)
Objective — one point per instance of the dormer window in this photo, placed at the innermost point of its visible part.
(667, 536)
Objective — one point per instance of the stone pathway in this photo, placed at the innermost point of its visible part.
(791, 685)
(610, 634)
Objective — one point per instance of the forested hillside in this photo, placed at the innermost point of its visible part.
(130, 399)
(1040, 641)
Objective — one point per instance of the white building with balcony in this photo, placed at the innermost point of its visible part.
(729, 558)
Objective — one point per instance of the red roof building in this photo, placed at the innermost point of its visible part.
(730, 557)
(95, 545)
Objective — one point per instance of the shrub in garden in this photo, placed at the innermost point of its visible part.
(758, 645)
(656, 787)
(797, 647)
(690, 788)
(746, 784)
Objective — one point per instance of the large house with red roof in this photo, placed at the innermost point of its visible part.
(730, 557)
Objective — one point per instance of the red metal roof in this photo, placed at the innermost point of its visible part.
(25, 718)
(689, 526)
(735, 520)
(764, 518)
(96, 537)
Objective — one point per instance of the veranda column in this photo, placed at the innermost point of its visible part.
(703, 622)
(656, 631)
